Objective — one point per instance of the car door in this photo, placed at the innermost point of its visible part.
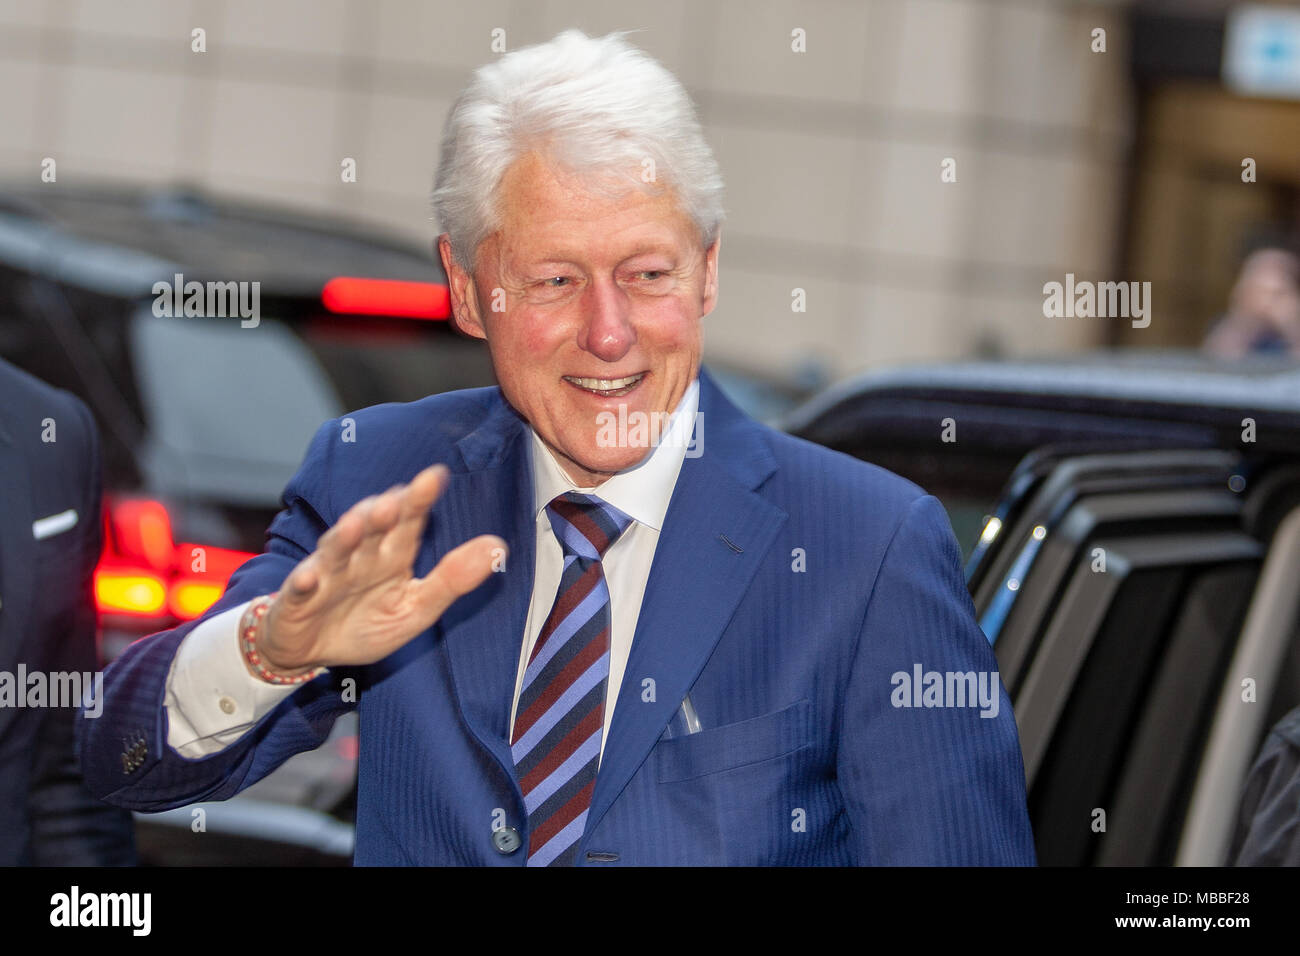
(1025, 565)
(1261, 682)
(1113, 604)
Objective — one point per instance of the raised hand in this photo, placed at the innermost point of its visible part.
(354, 599)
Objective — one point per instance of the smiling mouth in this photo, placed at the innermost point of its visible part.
(606, 387)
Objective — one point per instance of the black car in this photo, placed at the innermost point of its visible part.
(205, 412)
(1132, 529)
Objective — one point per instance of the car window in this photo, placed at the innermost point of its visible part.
(370, 361)
(1092, 680)
(1151, 797)
(230, 409)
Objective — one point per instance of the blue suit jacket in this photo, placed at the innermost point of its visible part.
(789, 584)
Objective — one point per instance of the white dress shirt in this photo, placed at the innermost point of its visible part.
(212, 700)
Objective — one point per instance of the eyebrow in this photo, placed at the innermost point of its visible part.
(566, 256)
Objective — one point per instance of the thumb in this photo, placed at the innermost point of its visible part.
(460, 571)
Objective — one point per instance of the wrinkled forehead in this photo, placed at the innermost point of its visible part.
(540, 199)
(539, 180)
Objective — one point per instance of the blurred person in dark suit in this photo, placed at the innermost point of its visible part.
(1268, 821)
(1264, 309)
(49, 543)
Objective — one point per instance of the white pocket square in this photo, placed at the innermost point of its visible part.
(54, 524)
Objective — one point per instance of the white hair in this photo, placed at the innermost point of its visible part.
(593, 105)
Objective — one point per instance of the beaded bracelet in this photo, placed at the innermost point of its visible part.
(249, 625)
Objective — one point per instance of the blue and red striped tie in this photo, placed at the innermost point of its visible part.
(561, 711)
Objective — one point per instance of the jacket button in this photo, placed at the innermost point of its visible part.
(506, 840)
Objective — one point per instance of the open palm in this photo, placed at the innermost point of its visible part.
(354, 600)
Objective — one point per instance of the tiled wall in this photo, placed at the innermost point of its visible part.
(831, 156)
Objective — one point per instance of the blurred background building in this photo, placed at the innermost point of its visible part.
(1122, 163)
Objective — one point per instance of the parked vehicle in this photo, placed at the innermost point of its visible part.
(1132, 526)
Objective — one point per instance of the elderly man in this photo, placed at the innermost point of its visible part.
(620, 622)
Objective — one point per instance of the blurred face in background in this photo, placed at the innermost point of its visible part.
(590, 296)
(1267, 293)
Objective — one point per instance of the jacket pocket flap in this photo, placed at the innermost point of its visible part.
(716, 749)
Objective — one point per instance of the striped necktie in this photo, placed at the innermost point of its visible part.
(561, 711)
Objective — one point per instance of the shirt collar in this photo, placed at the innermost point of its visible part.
(643, 491)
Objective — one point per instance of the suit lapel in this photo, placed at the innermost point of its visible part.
(715, 535)
(482, 632)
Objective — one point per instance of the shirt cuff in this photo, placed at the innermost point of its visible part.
(212, 700)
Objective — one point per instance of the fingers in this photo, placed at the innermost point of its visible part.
(417, 500)
(460, 571)
(335, 547)
(379, 516)
(357, 539)
(374, 539)
(302, 581)
(425, 489)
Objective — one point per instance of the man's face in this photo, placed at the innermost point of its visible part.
(1266, 292)
(589, 300)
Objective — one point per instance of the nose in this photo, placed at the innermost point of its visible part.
(607, 330)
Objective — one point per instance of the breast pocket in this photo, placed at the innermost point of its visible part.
(737, 745)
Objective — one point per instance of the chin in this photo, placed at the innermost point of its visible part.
(610, 465)
(601, 462)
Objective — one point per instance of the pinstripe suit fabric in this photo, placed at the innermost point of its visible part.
(789, 585)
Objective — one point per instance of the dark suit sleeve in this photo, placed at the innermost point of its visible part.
(68, 825)
(929, 785)
(1268, 828)
(134, 718)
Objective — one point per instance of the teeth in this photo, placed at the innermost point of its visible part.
(604, 384)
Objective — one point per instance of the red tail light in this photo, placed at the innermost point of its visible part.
(144, 573)
(413, 300)
(127, 590)
(143, 528)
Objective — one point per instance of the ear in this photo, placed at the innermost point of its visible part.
(711, 275)
(464, 301)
